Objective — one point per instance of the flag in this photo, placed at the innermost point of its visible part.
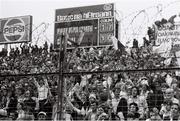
(164, 49)
(69, 40)
(177, 73)
(121, 46)
(76, 44)
(171, 19)
(69, 43)
(167, 61)
(178, 58)
(169, 80)
(116, 43)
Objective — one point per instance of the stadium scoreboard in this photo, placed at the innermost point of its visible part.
(97, 21)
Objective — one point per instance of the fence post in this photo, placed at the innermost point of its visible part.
(61, 78)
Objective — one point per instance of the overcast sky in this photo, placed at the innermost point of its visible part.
(134, 20)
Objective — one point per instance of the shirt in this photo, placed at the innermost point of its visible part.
(115, 103)
(93, 117)
(42, 92)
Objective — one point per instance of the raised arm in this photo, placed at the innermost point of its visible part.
(72, 106)
(36, 83)
(21, 45)
(47, 85)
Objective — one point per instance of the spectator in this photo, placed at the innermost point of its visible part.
(42, 116)
(67, 114)
(175, 115)
(20, 94)
(146, 42)
(122, 109)
(116, 98)
(166, 109)
(92, 113)
(133, 114)
(20, 110)
(169, 95)
(102, 113)
(164, 87)
(4, 52)
(92, 98)
(151, 34)
(4, 98)
(78, 109)
(42, 92)
(29, 102)
(135, 43)
(176, 90)
(54, 110)
(135, 98)
(155, 97)
(11, 104)
(153, 116)
(144, 90)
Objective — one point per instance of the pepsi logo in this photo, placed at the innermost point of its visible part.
(14, 29)
(107, 7)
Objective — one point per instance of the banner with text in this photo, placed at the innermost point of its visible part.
(168, 34)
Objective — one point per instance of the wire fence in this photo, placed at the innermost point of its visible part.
(109, 95)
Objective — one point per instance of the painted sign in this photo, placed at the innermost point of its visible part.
(169, 34)
(15, 30)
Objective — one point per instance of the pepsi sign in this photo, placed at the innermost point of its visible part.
(16, 29)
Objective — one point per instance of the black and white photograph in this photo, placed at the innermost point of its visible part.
(89, 60)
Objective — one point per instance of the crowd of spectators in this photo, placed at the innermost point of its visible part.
(131, 96)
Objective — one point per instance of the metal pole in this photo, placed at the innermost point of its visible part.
(60, 82)
(6, 46)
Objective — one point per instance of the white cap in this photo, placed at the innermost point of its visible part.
(92, 95)
(41, 113)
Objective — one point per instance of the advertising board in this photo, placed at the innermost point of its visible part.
(15, 29)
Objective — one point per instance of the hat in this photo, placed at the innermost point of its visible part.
(169, 90)
(144, 82)
(92, 95)
(26, 84)
(118, 85)
(41, 113)
(4, 88)
(174, 81)
(164, 85)
(168, 102)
